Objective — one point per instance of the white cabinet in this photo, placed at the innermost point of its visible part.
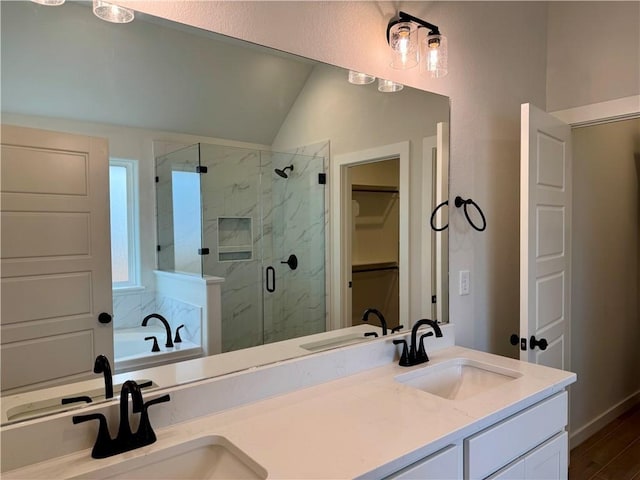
(445, 464)
(546, 462)
(518, 438)
(530, 444)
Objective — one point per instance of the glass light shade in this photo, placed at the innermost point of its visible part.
(403, 40)
(435, 59)
(112, 13)
(387, 86)
(51, 3)
(358, 78)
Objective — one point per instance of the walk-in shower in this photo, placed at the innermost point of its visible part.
(222, 212)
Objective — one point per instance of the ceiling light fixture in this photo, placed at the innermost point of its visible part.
(387, 86)
(402, 36)
(50, 3)
(112, 13)
(358, 78)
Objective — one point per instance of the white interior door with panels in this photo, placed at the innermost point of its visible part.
(545, 239)
(55, 257)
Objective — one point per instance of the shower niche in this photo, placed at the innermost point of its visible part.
(237, 217)
(235, 236)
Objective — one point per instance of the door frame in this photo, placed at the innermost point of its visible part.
(602, 112)
(339, 317)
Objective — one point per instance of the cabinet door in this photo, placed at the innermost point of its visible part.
(514, 471)
(443, 465)
(548, 461)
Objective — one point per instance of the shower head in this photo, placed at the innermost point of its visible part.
(283, 172)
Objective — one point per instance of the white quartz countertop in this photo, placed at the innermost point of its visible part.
(366, 424)
(183, 372)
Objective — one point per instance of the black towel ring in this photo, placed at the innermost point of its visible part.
(459, 202)
(433, 216)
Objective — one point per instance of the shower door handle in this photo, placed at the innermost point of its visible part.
(270, 279)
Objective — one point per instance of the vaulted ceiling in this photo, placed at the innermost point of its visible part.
(64, 62)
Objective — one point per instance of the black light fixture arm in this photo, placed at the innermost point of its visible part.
(405, 17)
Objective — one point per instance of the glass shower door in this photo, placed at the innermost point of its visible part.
(232, 232)
(293, 203)
(179, 219)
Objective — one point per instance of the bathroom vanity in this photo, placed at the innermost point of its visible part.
(351, 412)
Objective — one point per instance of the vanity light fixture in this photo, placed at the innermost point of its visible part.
(358, 78)
(402, 36)
(112, 13)
(50, 3)
(387, 86)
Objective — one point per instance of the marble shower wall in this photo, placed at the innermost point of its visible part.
(242, 201)
(232, 218)
(296, 222)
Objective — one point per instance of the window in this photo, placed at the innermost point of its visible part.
(123, 181)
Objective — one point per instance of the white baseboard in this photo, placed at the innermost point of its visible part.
(581, 434)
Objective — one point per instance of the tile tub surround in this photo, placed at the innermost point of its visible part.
(133, 352)
(386, 429)
(129, 308)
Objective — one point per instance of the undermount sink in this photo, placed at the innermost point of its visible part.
(334, 342)
(38, 408)
(458, 379)
(210, 457)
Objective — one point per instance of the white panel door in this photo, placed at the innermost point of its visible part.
(55, 257)
(545, 238)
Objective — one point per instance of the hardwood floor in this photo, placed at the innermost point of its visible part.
(611, 454)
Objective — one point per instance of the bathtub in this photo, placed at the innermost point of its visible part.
(132, 352)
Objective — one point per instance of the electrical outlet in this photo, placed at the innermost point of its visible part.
(465, 282)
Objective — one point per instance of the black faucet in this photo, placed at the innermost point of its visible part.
(417, 354)
(125, 436)
(167, 327)
(106, 446)
(155, 347)
(377, 313)
(178, 339)
(101, 365)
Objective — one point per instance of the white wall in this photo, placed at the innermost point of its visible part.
(605, 287)
(497, 61)
(593, 52)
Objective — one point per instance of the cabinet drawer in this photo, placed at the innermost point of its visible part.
(443, 465)
(491, 449)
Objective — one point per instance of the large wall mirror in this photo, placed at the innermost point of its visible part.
(303, 197)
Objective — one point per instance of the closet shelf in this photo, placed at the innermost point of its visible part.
(374, 267)
(374, 188)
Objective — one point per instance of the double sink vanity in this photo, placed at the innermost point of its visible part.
(350, 412)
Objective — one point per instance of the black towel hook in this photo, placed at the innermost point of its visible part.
(433, 216)
(461, 202)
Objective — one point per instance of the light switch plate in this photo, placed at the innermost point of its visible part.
(465, 281)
